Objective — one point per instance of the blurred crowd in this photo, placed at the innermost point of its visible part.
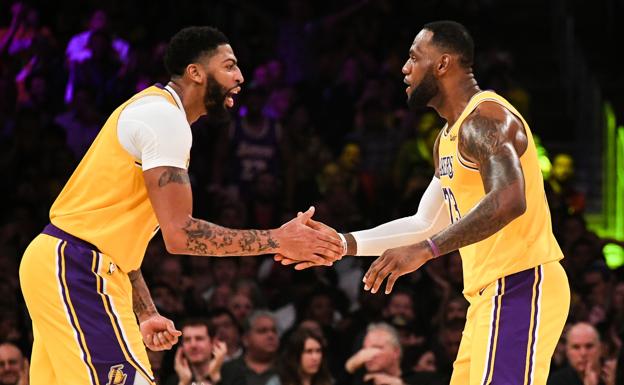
(322, 121)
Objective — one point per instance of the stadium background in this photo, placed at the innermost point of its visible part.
(324, 104)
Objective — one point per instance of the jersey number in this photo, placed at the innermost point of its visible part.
(451, 203)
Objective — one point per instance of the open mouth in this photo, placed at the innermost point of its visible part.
(229, 97)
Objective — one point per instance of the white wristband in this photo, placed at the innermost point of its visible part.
(344, 243)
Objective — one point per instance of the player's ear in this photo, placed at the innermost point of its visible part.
(195, 72)
(443, 63)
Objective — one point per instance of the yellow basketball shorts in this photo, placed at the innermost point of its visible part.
(512, 328)
(84, 328)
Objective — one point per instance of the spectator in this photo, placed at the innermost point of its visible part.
(241, 306)
(257, 365)
(378, 361)
(13, 365)
(199, 357)
(583, 350)
(79, 50)
(304, 360)
(81, 122)
(253, 145)
(227, 329)
(400, 304)
(25, 28)
(100, 72)
(561, 187)
(447, 345)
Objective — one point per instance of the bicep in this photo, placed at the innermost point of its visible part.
(169, 190)
(501, 169)
(488, 142)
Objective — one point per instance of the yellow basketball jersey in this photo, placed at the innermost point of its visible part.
(528, 240)
(105, 201)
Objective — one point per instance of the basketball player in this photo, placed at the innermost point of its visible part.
(487, 200)
(80, 277)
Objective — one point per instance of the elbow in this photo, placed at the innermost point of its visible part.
(521, 207)
(515, 209)
(174, 243)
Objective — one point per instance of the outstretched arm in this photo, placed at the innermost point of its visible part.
(494, 139)
(430, 218)
(170, 193)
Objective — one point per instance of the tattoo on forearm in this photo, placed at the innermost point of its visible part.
(481, 222)
(142, 303)
(205, 238)
(173, 175)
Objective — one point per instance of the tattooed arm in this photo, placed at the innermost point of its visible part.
(494, 139)
(170, 193)
(142, 303)
(159, 333)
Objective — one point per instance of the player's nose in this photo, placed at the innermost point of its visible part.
(239, 77)
(405, 68)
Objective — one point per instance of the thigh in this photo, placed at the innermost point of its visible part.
(461, 366)
(522, 328)
(551, 317)
(82, 312)
(471, 365)
(41, 370)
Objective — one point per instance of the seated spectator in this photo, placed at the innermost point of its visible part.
(583, 350)
(560, 187)
(13, 365)
(226, 329)
(304, 360)
(199, 357)
(400, 304)
(257, 365)
(447, 345)
(379, 360)
(241, 306)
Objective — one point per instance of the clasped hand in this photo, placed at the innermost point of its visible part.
(321, 247)
(392, 264)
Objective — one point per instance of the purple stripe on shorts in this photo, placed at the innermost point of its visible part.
(92, 316)
(535, 320)
(492, 331)
(514, 329)
(54, 231)
(118, 324)
(62, 272)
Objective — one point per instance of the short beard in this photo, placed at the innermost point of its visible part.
(214, 101)
(424, 92)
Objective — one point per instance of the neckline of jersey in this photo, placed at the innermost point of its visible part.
(446, 130)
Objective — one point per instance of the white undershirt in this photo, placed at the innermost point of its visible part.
(155, 132)
(431, 218)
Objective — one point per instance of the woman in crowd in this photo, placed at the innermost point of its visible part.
(303, 360)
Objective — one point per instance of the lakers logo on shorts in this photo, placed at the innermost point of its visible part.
(116, 376)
